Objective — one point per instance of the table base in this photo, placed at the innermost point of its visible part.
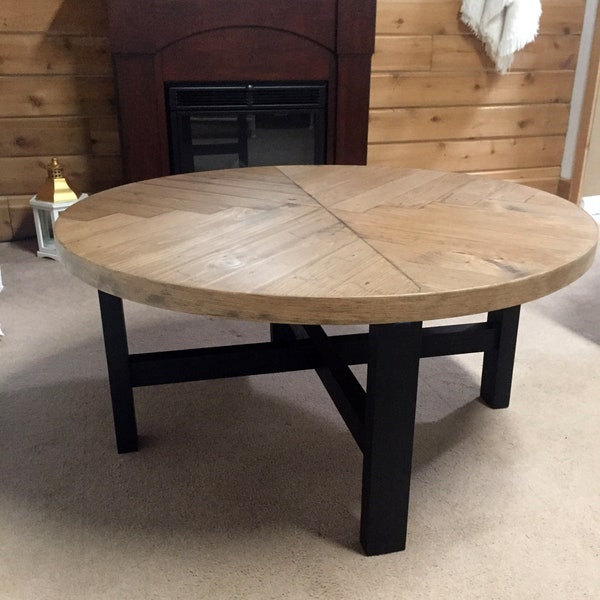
(381, 419)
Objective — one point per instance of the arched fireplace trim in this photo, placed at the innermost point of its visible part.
(206, 40)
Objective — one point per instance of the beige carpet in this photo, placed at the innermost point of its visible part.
(250, 488)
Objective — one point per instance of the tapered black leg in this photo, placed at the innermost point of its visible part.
(392, 376)
(496, 377)
(117, 360)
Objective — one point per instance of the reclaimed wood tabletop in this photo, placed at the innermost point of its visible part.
(327, 244)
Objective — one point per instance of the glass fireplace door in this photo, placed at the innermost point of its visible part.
(246, 125)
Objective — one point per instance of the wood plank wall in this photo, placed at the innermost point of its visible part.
(437, 102)
(435, 99)
(57, 98)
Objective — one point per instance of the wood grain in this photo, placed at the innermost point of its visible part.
(54, 62)
(40, 95)
(54, 135)
(547, 52)
(404, 53)
(54, 16)
(426, 58)
(23, 175)
(35, 53)
(543, 178)
(392, 90)
(440, 17)
(471, 155)
(456, 122)
(6, 232)
(327, 244)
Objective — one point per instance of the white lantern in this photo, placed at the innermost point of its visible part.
(53, 197)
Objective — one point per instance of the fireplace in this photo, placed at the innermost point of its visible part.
(245, 124)
(163, 47)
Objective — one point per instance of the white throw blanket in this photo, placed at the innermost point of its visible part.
(504, 26)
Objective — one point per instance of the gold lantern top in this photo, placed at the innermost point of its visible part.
(56, 188)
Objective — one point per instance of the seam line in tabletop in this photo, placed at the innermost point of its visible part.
(359, 237)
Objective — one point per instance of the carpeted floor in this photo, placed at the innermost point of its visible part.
(250, 488)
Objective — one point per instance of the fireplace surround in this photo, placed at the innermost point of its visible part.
(157, 43)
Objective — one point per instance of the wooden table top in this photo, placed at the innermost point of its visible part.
(326, 244)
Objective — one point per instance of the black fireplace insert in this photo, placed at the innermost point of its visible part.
(245, 124)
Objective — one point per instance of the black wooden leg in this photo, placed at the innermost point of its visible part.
(281, 333)
(496, 377)
(392, 376)
(117, 360)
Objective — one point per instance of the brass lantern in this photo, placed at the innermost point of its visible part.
(56, 188)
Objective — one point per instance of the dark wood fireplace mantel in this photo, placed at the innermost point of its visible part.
(159, 41)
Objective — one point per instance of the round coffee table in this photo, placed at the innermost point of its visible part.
(302, 246)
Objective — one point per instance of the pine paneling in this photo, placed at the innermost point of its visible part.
(436, 101)
(440, 17)
(54, 16)
(25, 174)
(104, 136)
(6, 231)
(456, 122)
(402, 53)
(452, 111)
(562, 17)
(466, 53)
(40, 95)
(59, 135)
(472, 89)
(26, 137)
(20, 217)
(542, 179)
(418, 17)
(40, 54)
(472, 155)
(57, 98)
